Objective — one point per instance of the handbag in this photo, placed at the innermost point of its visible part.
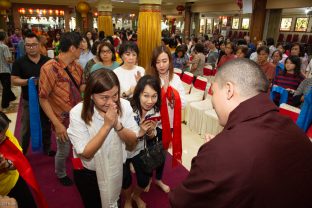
(153, 156)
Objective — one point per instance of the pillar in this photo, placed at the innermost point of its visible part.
(105, 22)
(197, 24)
(187, 20)
(79, 22)
(257, 20)
(149, 30)
(66, 19)
(3, 24)
(274, 22)
(90, 22)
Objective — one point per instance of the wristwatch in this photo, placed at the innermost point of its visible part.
(121, 128)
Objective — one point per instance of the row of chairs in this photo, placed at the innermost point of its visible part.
(201, 118)
(293, 38)
(304, 115)
(199, 114)
(237, 35)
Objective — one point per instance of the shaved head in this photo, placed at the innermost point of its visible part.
(245, 74)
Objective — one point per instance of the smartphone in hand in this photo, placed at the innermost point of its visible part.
(155, 118)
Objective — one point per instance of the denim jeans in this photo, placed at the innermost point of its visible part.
(62, 152)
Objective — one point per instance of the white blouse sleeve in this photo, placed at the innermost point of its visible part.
(127, 118)
(77, 130)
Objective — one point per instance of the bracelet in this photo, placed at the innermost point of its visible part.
(121, 128)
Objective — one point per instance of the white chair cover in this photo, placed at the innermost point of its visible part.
(195, 95)
(210, 123)
(187, 79)
(196, 113)
(177, 71)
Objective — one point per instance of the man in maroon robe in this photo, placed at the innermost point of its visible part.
(260, 159)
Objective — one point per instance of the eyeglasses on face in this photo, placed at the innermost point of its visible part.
(106, 51)
(33, 45)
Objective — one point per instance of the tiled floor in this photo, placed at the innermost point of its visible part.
(190, 141)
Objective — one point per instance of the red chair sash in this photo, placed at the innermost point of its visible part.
(291, 114)
(200, 84)
(187, 79)
(207, 72)
(179, 74)
(294, 116)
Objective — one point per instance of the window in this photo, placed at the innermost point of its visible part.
(224, 21)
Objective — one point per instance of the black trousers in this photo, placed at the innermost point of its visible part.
(141, 176)
(88, 188)
(7, 94)
(22, 194)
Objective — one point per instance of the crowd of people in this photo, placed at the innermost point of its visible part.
(98, 100)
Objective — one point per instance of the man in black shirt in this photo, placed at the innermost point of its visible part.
(24, 68)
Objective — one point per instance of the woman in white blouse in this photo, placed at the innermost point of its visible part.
(128, 73)
(98, 127)
(173, 100)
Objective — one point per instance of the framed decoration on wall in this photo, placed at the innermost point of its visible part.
(235, 23)
(209, 26)
(245, 23)
(286, 24)
(301, 24)
(216, 22)
(224, 21)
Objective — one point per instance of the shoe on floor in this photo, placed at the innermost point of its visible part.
(66, 181)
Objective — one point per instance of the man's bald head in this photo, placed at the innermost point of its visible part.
(245, 75)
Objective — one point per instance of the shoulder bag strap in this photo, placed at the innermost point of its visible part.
(72, 78)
